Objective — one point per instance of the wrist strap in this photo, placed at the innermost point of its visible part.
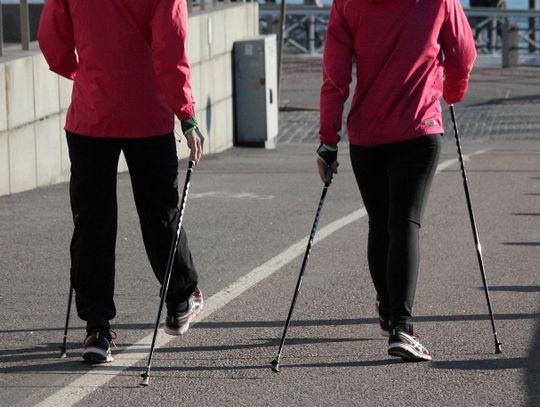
(189, 125)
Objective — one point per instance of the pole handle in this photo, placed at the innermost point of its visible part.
(328, 176)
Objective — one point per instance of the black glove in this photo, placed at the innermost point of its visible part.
(327, 155)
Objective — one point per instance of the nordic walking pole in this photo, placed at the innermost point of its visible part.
(168, 271)
(475, 231)
(327, 182)
(63, 352)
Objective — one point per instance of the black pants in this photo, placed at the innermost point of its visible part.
(153, 168)
(394, 181)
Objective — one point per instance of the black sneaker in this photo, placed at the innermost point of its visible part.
(97, 346)
(177, 322)
(384, 324)
(407, 346)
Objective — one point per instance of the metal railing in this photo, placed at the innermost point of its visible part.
(305, 28)
(202, 5)
(488, 26)
(24, 14)
(24, 22)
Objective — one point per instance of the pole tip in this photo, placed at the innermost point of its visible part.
(63, 354)
(275, 366)
(146, 380)
(498, 348)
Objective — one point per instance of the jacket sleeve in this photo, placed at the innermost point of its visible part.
(56, 38)
(459, 52)
(337, 66)
(169, 35)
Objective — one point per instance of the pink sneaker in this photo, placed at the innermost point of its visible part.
(97, 346)
(177, 323)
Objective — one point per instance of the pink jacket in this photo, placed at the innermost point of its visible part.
(128, 62)
(402, 50)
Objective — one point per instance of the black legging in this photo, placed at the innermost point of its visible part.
(394, 180)
(153, 168)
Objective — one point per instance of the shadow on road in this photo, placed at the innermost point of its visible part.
(263, 342)
(51, 350)
(76, 367)
(521, 243)
(514, 288)
(308, 322)
(358, 363)
(482, 364)
(42, 351)
(532, 370)
(509, 101)
(530, 364)
(45, 356)
(491, 171)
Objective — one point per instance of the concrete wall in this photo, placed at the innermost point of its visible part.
(34, 101)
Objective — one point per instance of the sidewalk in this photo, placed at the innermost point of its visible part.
(500, 103)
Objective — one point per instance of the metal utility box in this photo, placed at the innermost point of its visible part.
(255, 91)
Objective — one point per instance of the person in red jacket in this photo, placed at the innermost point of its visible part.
(408, 55)
(131, 76)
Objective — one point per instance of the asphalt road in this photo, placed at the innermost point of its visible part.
(248, 206)
(248, 216)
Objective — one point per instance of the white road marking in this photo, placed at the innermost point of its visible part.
(231, 195)
(448, 163)
(91, 381)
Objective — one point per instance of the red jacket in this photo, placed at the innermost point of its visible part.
(128, 62)
(398, 46)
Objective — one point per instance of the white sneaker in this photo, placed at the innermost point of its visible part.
(177, 323)
(407, 347)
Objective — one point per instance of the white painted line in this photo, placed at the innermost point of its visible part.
(231, 195)
(89, 382)
(448, 163)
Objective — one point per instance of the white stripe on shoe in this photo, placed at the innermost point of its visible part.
(94, 354)
(196, 306)
(407, 352)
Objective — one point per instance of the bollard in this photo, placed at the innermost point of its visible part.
(25, 25)
(510, 42)
(311, 35)
(1, 32)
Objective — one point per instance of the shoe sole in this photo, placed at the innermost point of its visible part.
(407, 353)
(185, 326)
(96, 355)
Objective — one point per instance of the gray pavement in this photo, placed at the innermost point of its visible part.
(500, 103)
(248, 206)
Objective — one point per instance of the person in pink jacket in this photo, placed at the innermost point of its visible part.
(409, 54)
(130, 73)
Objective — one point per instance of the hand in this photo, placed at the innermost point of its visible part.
(454, 94)
(326, 158)
(195, 142)
(323, 168)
